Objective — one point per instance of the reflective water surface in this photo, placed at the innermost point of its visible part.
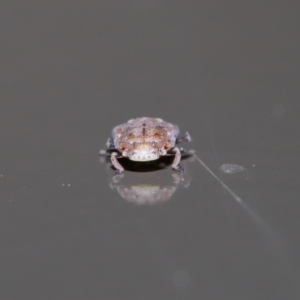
(226, 72)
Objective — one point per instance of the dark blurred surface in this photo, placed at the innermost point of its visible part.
(226, 71)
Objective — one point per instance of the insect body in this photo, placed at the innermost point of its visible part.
(145, 139)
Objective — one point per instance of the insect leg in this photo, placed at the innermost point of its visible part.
(116, 164)
(176, 163)
(110, 147)
(103, 153)
(185, 153)
(185, 138)
(110, 144)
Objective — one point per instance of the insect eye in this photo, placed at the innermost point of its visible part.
(166, 146)
(123, 148)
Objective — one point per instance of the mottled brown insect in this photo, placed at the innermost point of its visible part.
(145, 139)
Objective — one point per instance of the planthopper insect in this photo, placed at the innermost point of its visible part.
(146, 139)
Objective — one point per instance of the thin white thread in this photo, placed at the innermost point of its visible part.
(257, 219)
(275, 240)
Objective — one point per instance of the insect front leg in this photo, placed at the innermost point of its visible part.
(176, 162)
(116, 164)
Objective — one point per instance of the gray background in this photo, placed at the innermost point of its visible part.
(226, 71)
